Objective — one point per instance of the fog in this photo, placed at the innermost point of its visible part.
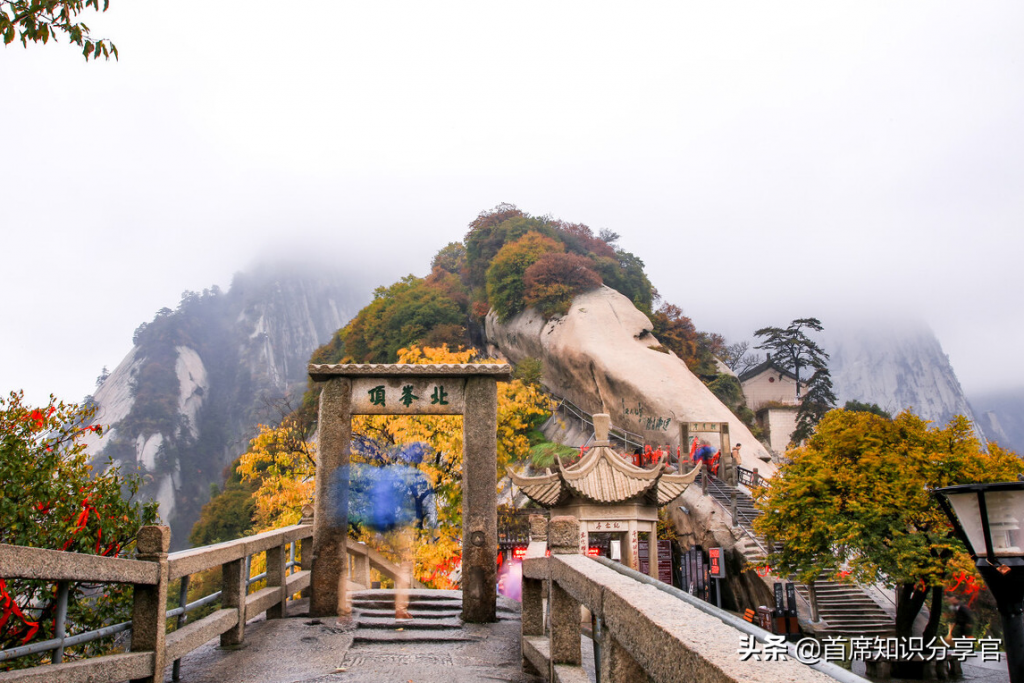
(766, 162)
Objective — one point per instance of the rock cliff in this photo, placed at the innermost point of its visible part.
(186, 399)
(603, 357)
(897, 364)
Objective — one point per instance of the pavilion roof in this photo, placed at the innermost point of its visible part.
(603, 476)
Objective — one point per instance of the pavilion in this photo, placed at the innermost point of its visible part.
(609, 495)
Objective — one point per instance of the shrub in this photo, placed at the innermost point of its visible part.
(505, 286)
(555, 279)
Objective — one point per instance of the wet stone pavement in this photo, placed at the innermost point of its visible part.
(434, 647)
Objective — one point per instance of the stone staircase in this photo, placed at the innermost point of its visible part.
(436, 617)
(847, 610)
(844, 608)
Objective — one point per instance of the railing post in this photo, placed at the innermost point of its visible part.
(182, 619)
(533, 589)
(61, 619)
(306, 546)
(755, 480)
(704, 482)
(361, 568)
(563, 539)
(149, 608)
(276, 577)
(735, 519)
(233, 591)
(617, 665)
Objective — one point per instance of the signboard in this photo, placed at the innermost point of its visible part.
(694, 574)
(408, 396)
(705, 427)
(716, 560)
(664, 561)
(790, 600)
(780, 602)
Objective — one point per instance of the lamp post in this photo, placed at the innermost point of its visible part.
(987, 518)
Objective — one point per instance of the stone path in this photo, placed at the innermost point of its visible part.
(434, 647)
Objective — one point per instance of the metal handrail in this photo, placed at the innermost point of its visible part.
(57, 645)
(718, 486)
(728, 618)
(626, 437)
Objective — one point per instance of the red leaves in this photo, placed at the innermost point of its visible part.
(11, 607)
(971, 586)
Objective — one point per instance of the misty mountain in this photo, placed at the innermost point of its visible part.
(187, 398)
(1001, 414)
(898, 364)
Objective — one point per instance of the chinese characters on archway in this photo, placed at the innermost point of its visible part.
(438, 397)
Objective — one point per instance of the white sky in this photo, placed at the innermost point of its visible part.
(766, 160)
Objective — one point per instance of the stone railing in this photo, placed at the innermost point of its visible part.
(640, 632)
(152, 647)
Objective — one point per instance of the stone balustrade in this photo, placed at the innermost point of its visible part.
(152, 647)
(640, 632)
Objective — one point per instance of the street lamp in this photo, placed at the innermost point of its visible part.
(987, 518)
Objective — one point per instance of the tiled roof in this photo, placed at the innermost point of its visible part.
(603, 476)
(321, 373)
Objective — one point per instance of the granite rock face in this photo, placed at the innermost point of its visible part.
(187, 398)
(603, 357)
(898, 364)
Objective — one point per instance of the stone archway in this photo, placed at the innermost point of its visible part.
(469, 390)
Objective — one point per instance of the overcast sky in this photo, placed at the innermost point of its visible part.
(765, 160)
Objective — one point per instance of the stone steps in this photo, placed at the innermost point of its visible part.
(845, 608)
(435, 618)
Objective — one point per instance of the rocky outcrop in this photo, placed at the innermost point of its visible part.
(1002, 417)
(187, 398)
(603, 357)
(898, 364)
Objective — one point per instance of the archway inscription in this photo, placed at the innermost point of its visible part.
(469, 390)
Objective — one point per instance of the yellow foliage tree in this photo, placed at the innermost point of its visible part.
(282, 462)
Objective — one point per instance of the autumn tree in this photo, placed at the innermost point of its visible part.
(491, 231)
(580, 239)
(52, 498)
(625, 274)
(739, 358)
(506, 287)
(281, 461)
(677, 332)
(855, 502)
(400, 315)
(554, 280)
(38, 21)
(281, 465)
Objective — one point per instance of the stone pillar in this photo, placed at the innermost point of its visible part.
(276, 560)
(617, 665)
(149, 621)
(565, 611)
(330, 520)
(631, 546)
(532, 621)
(652, 551)
(233, 589)
(479, 501)
(538, 528)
